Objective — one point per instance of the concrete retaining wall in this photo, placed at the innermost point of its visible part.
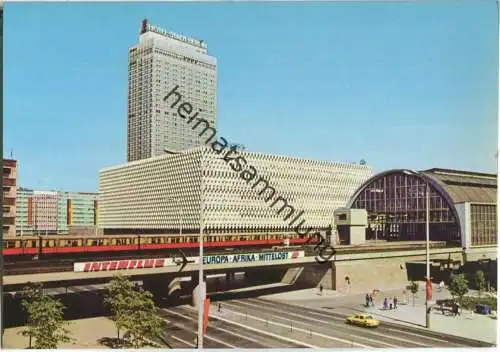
(373, 273)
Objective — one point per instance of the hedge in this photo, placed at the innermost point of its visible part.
(469, 302)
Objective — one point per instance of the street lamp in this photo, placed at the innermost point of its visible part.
(200, 273)
(200, 241)
(427, 256)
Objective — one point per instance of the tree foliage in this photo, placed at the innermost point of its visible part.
(480, 281)
(459, 287)
(146, 324)
(117, 301)
(46, 323)
(134, 311)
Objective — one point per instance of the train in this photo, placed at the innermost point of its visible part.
(53, 245)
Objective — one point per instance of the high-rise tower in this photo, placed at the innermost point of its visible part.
(161, 61)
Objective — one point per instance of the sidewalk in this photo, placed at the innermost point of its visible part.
(310, 293)
(469, 325)
(87, 332)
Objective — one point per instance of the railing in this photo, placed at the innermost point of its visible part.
(292, 330)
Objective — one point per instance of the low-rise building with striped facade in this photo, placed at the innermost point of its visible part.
(241, 192)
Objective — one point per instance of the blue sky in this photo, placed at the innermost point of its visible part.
(402, 85)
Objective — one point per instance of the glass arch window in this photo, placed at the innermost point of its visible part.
(396, 206)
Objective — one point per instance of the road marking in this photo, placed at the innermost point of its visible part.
(178, 325)
(236, 334)
(319, 321)
(421, 336)
(219, 341)
(315, 320)
(263, 332)
(206, 336)
(400, 330)
(300, 329)
(369, 332)
(273, 303)
(183, 341)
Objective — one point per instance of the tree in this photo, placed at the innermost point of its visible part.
(134, 311)
(32, 293)
(119, 294)
(46, 323)
(143, 324)
(414, 290)
(459, 287)
(480, 281)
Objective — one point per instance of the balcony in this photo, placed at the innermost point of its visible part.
(9, 221)
(9, 201)
(9, 181)
(9, 163)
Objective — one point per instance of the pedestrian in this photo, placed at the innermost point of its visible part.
(385, 303)
(220, 307)
(367, 300)
(395, 302)
(321, 290)
(441, 286)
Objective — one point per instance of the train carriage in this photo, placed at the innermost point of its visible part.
(50, 245)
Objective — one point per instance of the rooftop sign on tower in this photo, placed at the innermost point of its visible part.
(147, 27)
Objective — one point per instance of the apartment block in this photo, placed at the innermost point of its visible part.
(9, 197)
(56, 212)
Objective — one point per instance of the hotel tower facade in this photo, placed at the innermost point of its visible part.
(159, 62)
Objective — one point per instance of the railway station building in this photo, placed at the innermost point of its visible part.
(462, 206)
(242, 192)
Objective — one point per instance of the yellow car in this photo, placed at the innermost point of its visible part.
(365, 320)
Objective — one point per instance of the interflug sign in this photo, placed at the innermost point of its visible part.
(154, 263)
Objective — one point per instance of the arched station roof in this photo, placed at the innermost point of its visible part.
(434, 184)
(454, 185)
(464, 186)
(396, 201)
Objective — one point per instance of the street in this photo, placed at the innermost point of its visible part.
(260, 323)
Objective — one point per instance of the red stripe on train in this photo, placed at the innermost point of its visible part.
(133, 247)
